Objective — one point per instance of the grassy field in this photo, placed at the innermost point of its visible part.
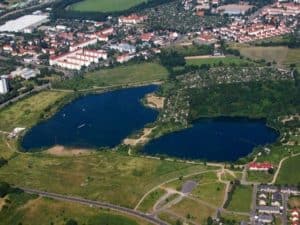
(104, 5)
(121, 75)
(193, 210)
(27, 209)
(261, 177)
(288, 174)
(151, 199)
(229, 60)
(294, 202)
(26, 113)
(234, 217)
(241, 199)
(210, 192)
(107, 176)
(282, 55)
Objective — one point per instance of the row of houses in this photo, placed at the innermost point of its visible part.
(285, 9)
(241, 32)
(78, 58)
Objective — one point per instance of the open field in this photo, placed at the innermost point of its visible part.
(33, 210)
(212, 193)
(294, 202)
(284, 56)
(260, 177)
(270, 54)
(241, 199)
(229, 60)
(121, 75)
(208, 177)
(288, 174)
(193, 210)
(234, 217)
(150, 200)
(104, 5)
(25, 113)
(106, 176)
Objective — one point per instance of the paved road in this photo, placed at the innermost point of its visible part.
(97, 204)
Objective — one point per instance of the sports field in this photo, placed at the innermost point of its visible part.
(104, 5)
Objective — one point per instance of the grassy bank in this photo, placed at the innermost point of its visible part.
(26, 113)
(104, 5)
(107, 176)
(117, 76)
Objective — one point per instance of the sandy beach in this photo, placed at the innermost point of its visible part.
(62, 151)
(154, 101)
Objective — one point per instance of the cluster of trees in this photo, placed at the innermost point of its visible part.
(2, 162)
(59, 10)
(253, 99)
(234, 185)
(170, 59)
(4, 189)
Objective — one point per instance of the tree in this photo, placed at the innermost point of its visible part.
(4, 189)
(171, 59)
(71, 222)
(210, 221)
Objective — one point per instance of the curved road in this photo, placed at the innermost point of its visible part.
(98, 204)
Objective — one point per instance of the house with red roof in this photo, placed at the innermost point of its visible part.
(257, 166)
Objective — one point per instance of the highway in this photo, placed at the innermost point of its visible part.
(97, 204)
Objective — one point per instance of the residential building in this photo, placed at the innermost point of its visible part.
(3, 86)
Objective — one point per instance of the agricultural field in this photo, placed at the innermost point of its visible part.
(21, 208)
(287, 174)
(104, 5)
(241, 199)
(107, 176)
(118, 76)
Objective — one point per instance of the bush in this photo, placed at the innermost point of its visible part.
(4, 189)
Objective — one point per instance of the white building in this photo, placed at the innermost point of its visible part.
(25, 73)
(3, 86)
(77, 59)
(24, 23)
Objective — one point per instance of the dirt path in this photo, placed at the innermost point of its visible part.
(168, 181)
(141, 140)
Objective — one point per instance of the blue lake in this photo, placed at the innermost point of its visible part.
(220, 139)
(97, 120)
(104, 120)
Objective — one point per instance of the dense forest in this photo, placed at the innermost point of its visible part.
(253, 99)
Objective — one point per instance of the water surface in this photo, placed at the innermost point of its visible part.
(97, 120)
(221, 139)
